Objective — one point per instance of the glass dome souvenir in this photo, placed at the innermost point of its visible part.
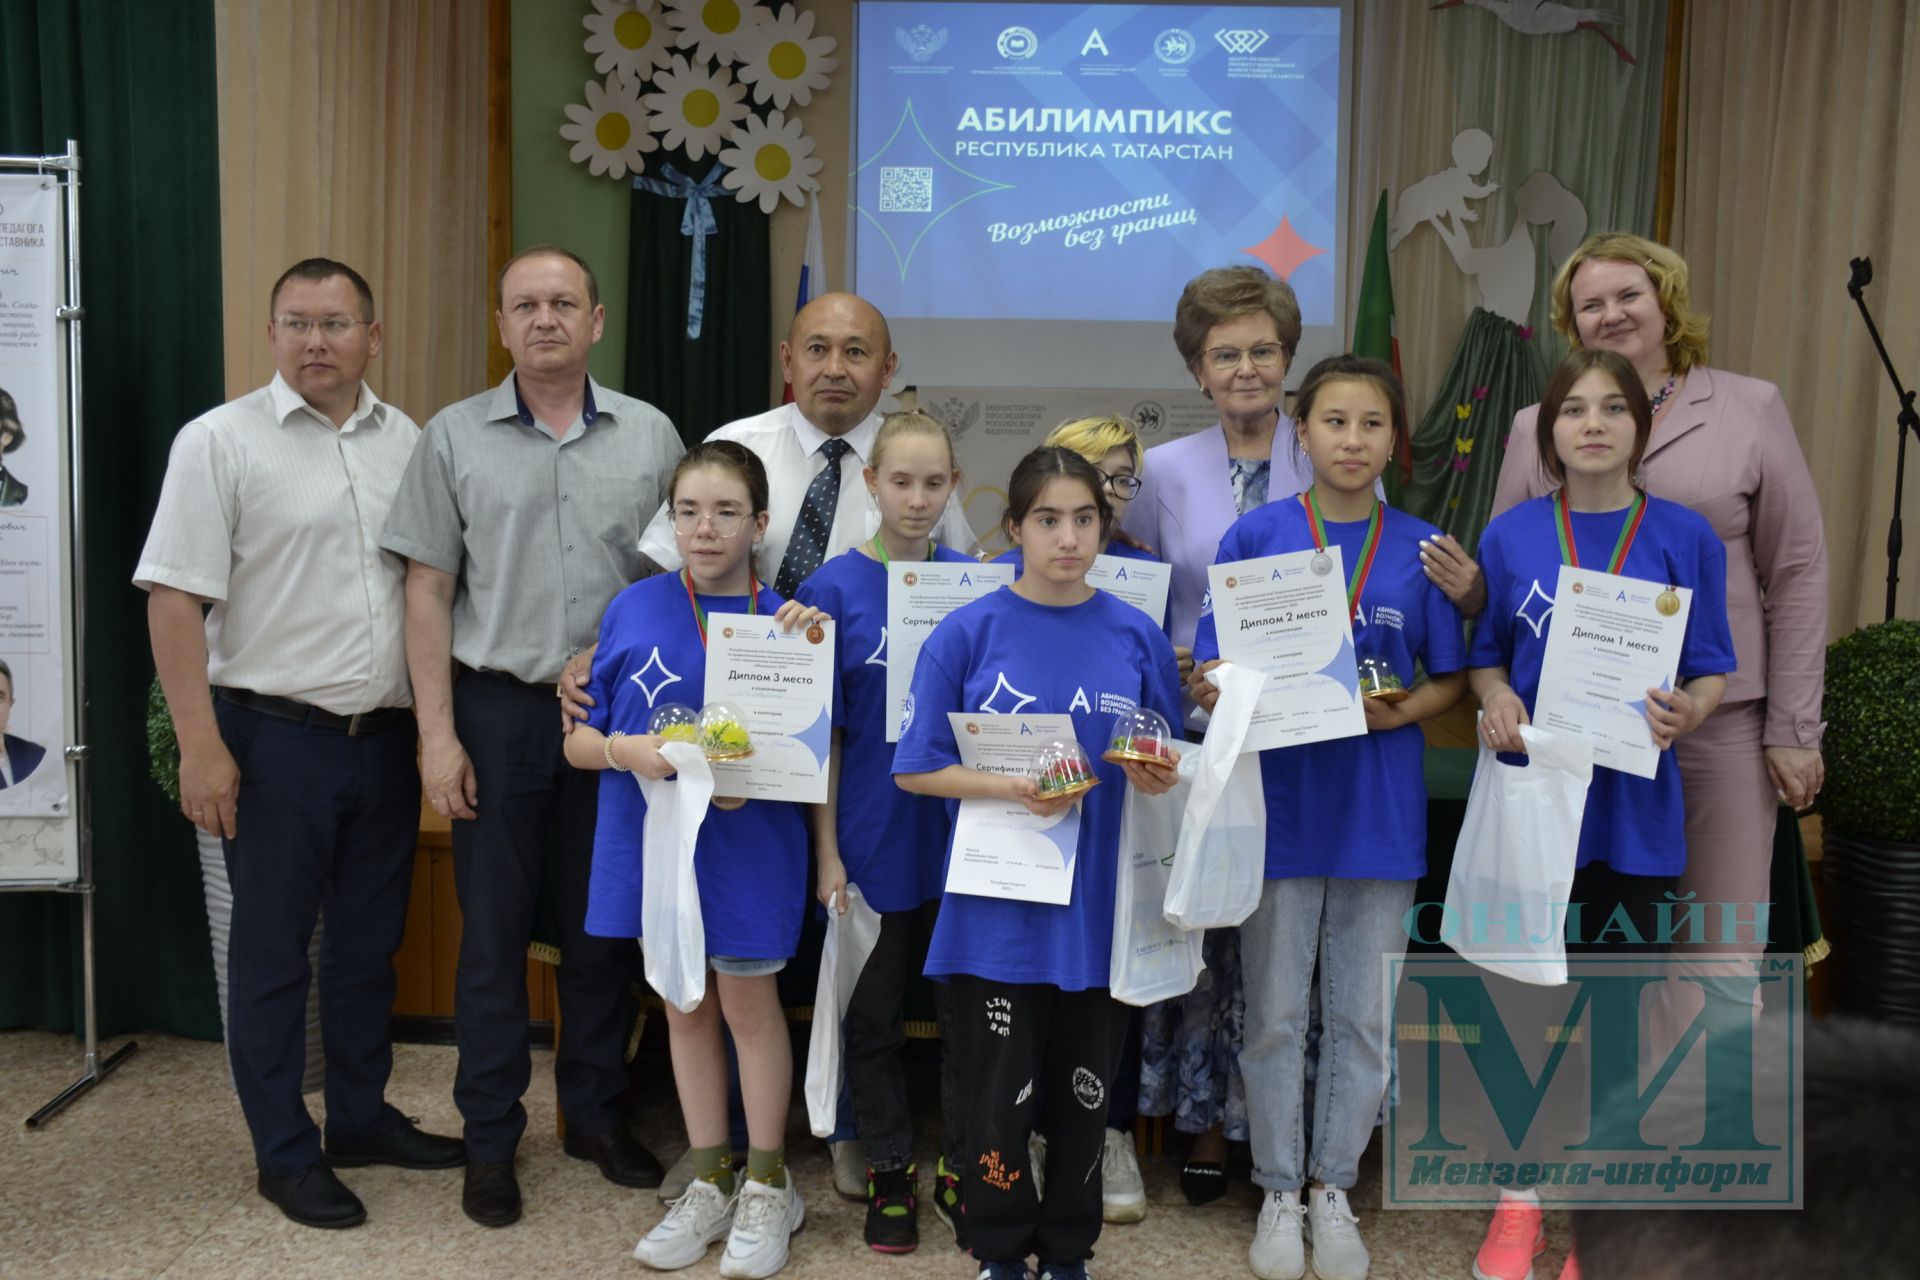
(1377, 680)
(723, 733)
(1061, 769)
(675, 722)
(1140, 735)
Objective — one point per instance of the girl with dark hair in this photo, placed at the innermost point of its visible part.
(1594, 423)
(1347, 825)
(750, 861)
(1031, 1011)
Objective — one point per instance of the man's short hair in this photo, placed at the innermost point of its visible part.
(317, 270)
(545, 251)
(1861, 1133)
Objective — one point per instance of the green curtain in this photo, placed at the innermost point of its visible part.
(1458, 444)
(701, 382)
(133, 81)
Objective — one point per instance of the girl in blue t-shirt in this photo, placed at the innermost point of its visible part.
(750, 861)
(1346, 823)
(1029, 980)
(1594, 423)
(876, 836)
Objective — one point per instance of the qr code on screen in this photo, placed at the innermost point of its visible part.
(906, 190)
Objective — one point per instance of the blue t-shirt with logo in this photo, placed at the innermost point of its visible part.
(1005, 654)
(751, 862)
(1353, 808)
(893, 844)
(1635, 825)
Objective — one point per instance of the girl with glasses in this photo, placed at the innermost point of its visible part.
(750, 861)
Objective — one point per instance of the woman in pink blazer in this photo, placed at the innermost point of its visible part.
(1723, 445)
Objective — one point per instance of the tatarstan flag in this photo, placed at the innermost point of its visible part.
(1373, 318)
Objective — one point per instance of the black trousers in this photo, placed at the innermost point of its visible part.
(876, 1034)
(1017, 1041)
(534, 822)
(324, 820)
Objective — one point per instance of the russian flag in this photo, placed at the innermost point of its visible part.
(813, 272)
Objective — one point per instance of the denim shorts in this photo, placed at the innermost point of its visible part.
(739, 967)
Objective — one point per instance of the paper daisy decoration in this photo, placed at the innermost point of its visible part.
(627, 38)
(784, 61)
(713, 29)
(768, 159)
(695, 107)
(609, 134)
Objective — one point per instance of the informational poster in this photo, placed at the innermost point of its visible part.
(37, 840)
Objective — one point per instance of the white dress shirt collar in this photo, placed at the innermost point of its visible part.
(860, 439)
(287, 402)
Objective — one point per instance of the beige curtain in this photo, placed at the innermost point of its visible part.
(1798, 151)
(356, 130)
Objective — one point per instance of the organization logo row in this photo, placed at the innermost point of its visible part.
(1173, 46)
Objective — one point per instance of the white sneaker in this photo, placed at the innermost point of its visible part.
(702, 1214)
(1276, 1252)
(849, 1170)
(757, 1246)
(1335, 1233)
(1123, 1195)
(1037, 1163)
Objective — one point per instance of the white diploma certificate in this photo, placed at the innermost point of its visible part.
(999, 849)
(1612, 639)
(1141, 583)
(1286, 616)
(781, 683)
(919, 594)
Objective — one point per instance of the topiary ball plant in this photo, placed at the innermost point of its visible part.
(1872, 744)
(163, 749)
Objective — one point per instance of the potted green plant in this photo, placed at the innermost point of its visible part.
(1870, 819)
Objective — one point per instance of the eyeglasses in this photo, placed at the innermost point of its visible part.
(1227, 359)
(332, 326)
(725, 524)
(1123, 486)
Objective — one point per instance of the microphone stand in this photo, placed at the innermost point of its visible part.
(1861, 276)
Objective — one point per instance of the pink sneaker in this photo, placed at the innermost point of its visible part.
(1515, 1237)
(1570, 1270)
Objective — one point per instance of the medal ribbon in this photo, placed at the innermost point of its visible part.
(1369, 547)
(1563, 527)
(700, 615)
(880, 551)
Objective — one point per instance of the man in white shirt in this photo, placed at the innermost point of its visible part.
(291, 702)
(838, 358)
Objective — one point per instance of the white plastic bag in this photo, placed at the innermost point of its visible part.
(1220, 861)
(673, 937)
(1513, 864)
(1153, 960)
(850, 941)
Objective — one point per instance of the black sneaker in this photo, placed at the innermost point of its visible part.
(946, 1203)
(893, 1224)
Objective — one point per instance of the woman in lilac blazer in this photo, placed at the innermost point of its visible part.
(1236, 329)
(1723, 445)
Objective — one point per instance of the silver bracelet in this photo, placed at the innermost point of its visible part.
(611, 762)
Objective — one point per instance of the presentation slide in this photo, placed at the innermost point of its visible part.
(1080, 162)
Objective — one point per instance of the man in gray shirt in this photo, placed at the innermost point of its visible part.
(520, 517)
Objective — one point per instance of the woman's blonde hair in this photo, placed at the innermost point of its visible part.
(1685, 336)
(911, 422)
(1094, 438)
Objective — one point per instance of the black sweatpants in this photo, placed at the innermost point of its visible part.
(1018, 1041)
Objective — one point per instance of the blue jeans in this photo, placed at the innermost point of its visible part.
(1348, 926)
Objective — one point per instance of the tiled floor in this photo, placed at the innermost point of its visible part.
(150, 1175)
